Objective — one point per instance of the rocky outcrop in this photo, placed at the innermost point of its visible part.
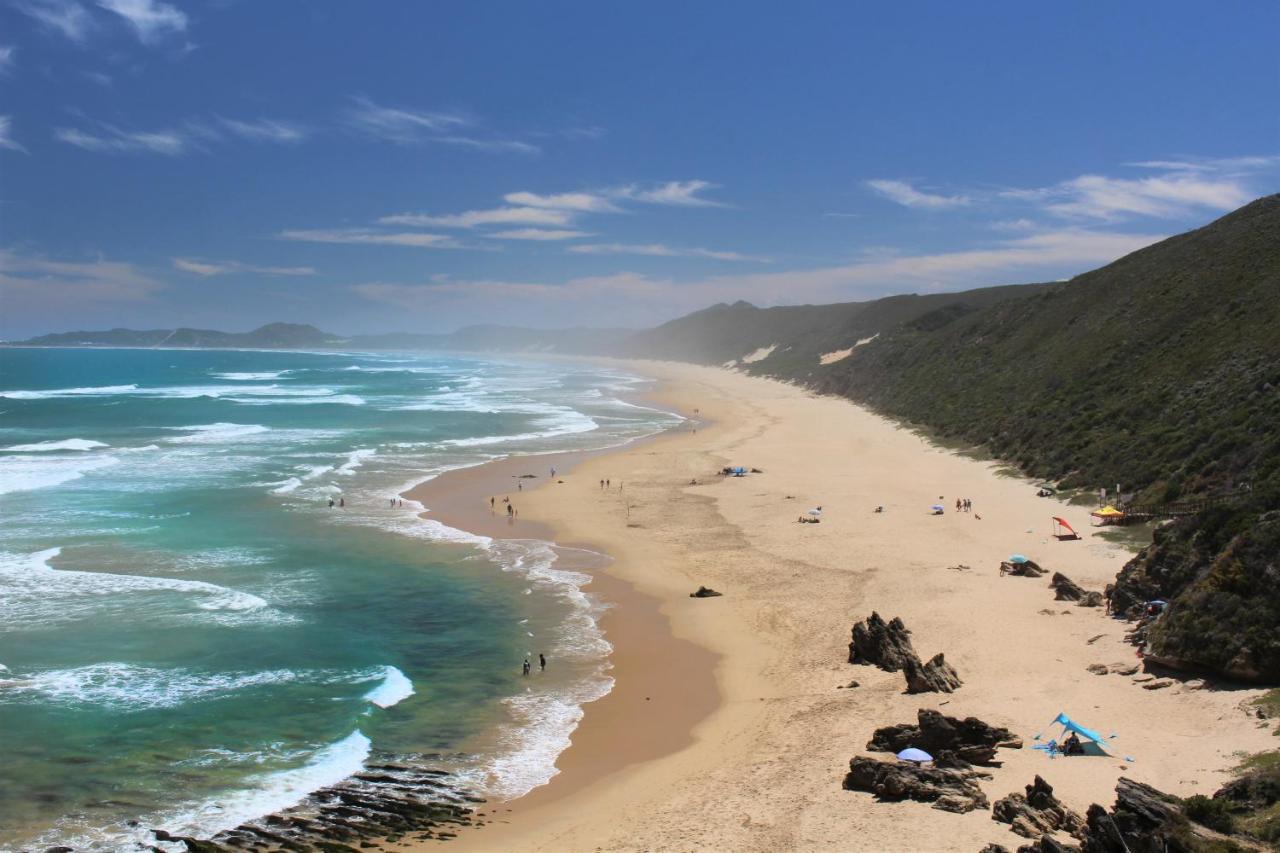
(705, 592)
(970, 740)
(949, 789)
(384, 802)
(936, 676)
(1037, 812)
(1028, 569)
(1145, 820)
(883, 644)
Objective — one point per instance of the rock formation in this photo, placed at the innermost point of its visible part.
(1029, 569)
(886, 645)
(936, 676)
(1045, 844)
(1037, 812)
(383, 802)
(952, 790)
(1144, 820)
(705, 592)
(970, 740)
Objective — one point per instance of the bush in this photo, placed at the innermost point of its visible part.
(1209, 812)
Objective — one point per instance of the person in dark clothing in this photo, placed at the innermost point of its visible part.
(542, 662)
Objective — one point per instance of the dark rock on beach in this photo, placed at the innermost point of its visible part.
(705, 592)
(970, 740)
(952, 790)
(936, 676)
(883, 644)
(1037, 812)
(1145, 820)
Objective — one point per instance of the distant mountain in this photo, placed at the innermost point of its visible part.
(270, 336)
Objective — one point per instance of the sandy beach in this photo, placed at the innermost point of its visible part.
(726, 729)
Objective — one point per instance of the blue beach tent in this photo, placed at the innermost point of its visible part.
(1092, 742)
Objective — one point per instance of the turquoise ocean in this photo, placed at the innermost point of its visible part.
(190, 637)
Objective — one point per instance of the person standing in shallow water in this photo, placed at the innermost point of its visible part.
(542, 662)
(526, 666)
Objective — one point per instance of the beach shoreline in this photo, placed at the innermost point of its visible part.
(754, 761)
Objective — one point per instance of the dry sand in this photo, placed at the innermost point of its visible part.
(726, 730)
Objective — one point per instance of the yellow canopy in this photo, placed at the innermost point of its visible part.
(1107, 512)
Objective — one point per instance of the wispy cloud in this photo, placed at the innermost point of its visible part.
(38, 283)
(265, 129)
(150, 19)
(660, 250)
(579, 201)
(474, 218)
(543, 234)
(6, 135)
(212, 268)
(366, 236)
(673, 193)
(492, 146)
(404, 126)
(7, 58)
(646, 299)
(65, 17)
(114, 140)
(191, 134)
(1165, 196)
(903, 193)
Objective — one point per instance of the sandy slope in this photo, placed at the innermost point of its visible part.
(763, 771)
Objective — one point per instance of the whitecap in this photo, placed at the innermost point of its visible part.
(27, 473)
(53, 393)
(251, 377)
(65, 444)
(394, 688)
(214, 433)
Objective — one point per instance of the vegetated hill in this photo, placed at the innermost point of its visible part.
(1160, 373)
(493, 338)
(790, 340)
(270, 336)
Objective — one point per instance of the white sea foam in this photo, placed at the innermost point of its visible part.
(563, 422)
(272, 792)
(286, 486)
(355, 459)
(37, 595)
(251, 377)
(394, 688)
(53, 393)
(65, 444)
(27, 473)
(216, 433)
(136, 688)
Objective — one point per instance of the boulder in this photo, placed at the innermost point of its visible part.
(1029, 569)
(970, 740)
(705, 592)
(1048, 844)
(883, 644)
(949, 789)
(1037, 812)
(1064, 588)
(1097, 668)
(1092, 598)
(936, 676)
(1145, 820)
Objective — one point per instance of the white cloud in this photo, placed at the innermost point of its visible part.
(492, 146)
(901, 192)
(37, 283)
(660, 250)
(1165, 196)
(150, 19)
(7, 58)
(66, 17)
(368, 236)
(265, 130)
(581, 202)
(646, 299)
(6, 135)
(113, 140)
(212, 268)
(403, 126)
(473, 218)
(538, 234)
(674, 193)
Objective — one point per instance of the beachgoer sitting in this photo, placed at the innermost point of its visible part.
(1072, 746)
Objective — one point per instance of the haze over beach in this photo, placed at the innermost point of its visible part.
(577, 428)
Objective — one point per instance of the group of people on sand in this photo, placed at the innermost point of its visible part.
(964, 505)
(511, 508)
(542, 664)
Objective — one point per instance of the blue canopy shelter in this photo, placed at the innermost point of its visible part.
(1091, 742)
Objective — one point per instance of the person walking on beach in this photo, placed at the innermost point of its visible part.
(510, 510)
(491, 504)
(542, 662)
(602, 485)
(526, 666)
(330, 503)
(519, 487)
(607, 483)
(959, 505)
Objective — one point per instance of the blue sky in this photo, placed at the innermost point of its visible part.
(379, 166)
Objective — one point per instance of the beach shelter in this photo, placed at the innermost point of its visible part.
(937, 509)
(1107, 515)
(1062, 530)
(1018, 558)
(1093, 743)
(917, 755)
